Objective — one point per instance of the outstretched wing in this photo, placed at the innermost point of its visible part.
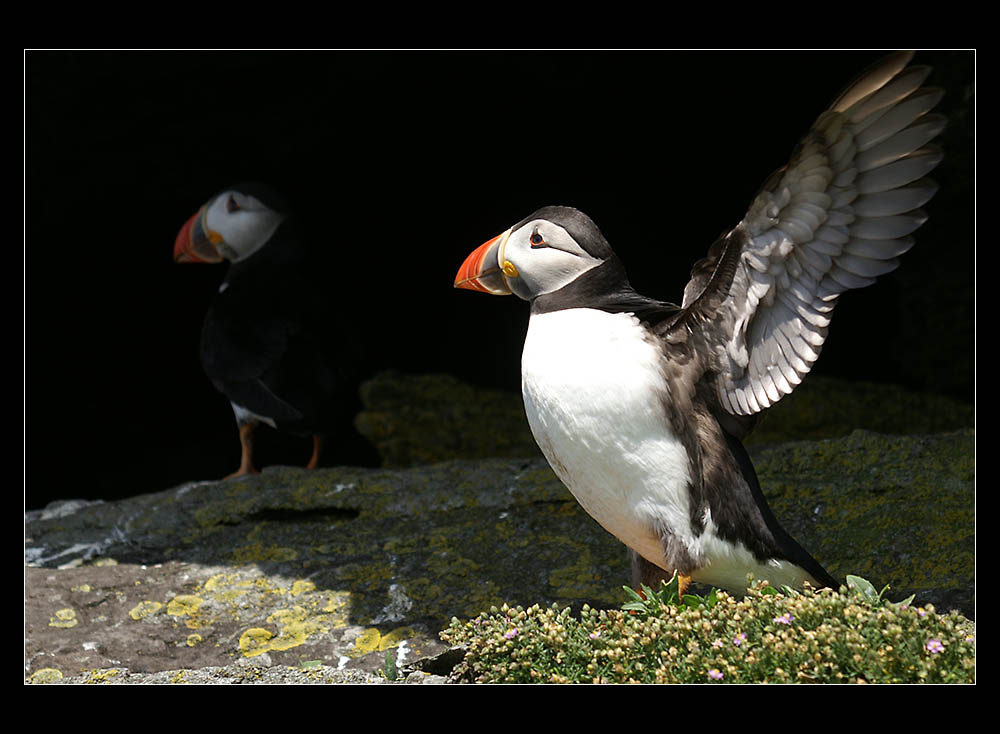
(835, 218)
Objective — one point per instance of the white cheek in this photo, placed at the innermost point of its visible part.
(244, 232)
(215, 217)
(550, 269)
(550, 275)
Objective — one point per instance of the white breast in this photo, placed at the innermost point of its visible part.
(593, 391)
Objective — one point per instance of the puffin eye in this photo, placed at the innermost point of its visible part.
(536, 239)
(231, 205)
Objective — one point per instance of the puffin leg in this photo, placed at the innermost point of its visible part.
(683, 582)
(644, 572)
(318, 442)
(246, 445)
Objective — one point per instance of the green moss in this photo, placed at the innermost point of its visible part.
(422, 419)
(879, 503)
(826, 408)
(584, 580)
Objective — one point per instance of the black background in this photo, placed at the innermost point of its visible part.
(402, 163)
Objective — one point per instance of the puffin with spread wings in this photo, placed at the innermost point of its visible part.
(640, 405)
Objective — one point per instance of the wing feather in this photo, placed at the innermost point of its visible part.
(836, 218)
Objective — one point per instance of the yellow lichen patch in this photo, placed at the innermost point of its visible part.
(45, 675)
(371, 640)
(83, 588)
(287, 627)
(302, 586)
(184, 605)
(193, 640)
(295, 626)
(337, 606)
(227, 587)
(254, 641)
(218, 581)
(63, 618)
(179, 677)
(144, 609)
(395, 637)
(102, 676)
(266, 586)
(367, 642)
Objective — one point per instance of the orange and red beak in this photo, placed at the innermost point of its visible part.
(481, 270)
(195, 243)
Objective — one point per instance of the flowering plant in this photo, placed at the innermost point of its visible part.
(770, 635)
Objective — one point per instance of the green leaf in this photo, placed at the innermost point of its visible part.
(632, 594)
(648, 601)
(692, 601)
(905, 603)
(863, 588)
(673, 587)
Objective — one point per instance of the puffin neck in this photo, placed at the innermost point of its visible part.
(604, 288)
(284, 247)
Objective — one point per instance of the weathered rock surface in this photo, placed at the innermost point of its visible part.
(421, 419)
(299, 576)
(335, 565)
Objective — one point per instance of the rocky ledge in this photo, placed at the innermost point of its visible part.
(347, 575)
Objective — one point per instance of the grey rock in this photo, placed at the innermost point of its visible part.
(348, 574)
(227, 675)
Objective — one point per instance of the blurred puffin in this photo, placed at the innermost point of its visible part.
(267, 339)
(640, 405)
